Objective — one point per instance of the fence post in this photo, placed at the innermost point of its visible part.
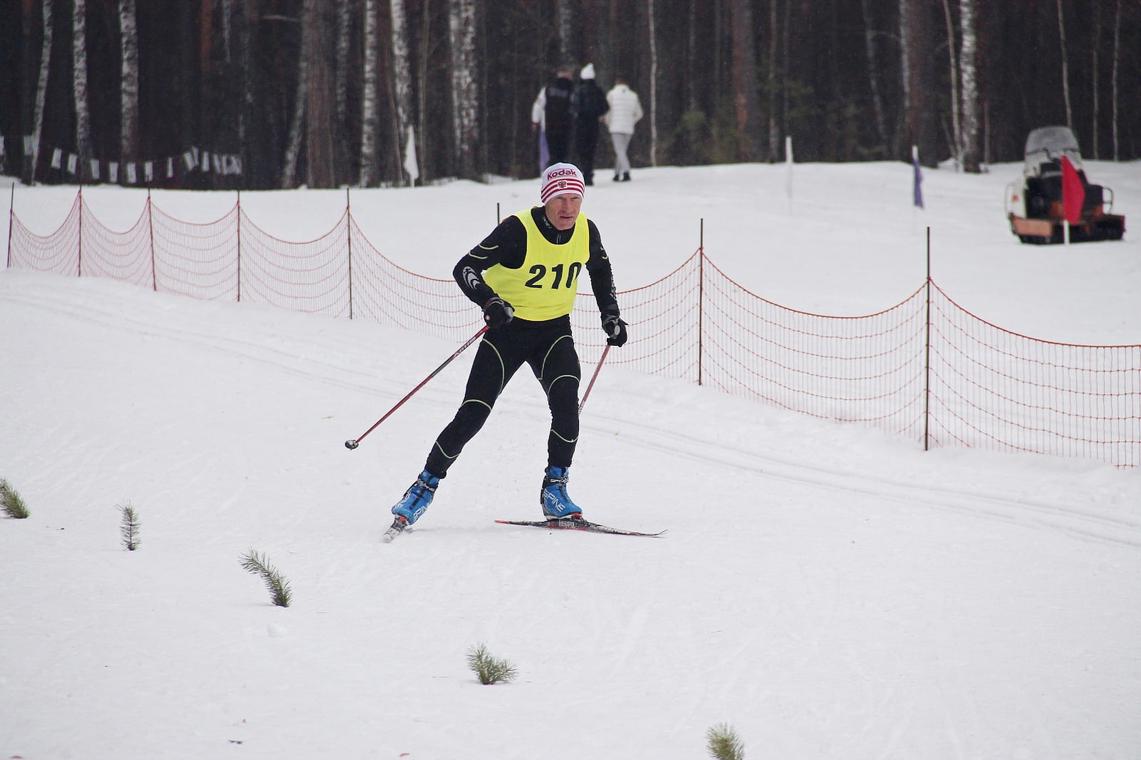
(349, 233)
(700, 298)
(11, 220)
(151, 232)
(239, 245)
(927, 354)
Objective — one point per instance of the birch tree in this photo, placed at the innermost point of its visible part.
(42, 87)
(1065, 67)
(970, 96)
(465, 106)
(79, 80)
(873, 76)
(565, 21)
(129, 81)
(402, 72)
(296, 123)
(956, 136)
(369, 120)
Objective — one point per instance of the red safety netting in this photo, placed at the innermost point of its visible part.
(994, 388)
(926, 368)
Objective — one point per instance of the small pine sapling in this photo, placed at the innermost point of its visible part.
(724, 744)
(129, 527)
(278, 586)
(11, 502)
(489, 669)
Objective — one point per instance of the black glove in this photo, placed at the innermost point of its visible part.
(615, 329)
(497, 312)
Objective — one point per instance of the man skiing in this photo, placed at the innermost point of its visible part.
(524, 276)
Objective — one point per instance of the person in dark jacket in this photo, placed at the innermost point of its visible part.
(557, 122)
(524, 277)
(589, 105)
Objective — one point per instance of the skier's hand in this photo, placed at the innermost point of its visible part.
(615, 329)
(497, 312)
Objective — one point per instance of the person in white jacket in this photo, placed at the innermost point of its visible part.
(625, 112)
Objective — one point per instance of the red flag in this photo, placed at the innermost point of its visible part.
(1073, 194)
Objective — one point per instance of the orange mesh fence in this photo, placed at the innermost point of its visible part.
(994, 388)
(947, 379)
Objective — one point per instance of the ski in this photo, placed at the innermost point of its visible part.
(398, 526)
(578, 524)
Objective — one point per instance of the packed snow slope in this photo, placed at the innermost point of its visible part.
(827, 591)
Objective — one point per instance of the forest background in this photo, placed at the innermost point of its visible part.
(326, 93)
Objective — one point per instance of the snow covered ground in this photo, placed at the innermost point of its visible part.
(828, 591)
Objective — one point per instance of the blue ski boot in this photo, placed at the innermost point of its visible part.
(416, 499)
(556, 503)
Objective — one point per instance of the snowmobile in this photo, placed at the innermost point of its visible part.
(1035, 208)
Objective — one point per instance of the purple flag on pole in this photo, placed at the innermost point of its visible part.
(917, 189)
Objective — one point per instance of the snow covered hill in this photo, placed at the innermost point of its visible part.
(828, 591)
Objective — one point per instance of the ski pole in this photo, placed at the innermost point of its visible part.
(352, 443)
(593, 377)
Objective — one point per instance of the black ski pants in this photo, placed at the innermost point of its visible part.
(549, 349)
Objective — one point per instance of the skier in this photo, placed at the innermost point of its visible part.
(523, 275)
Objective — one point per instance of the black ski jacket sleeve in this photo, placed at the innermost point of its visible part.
(507, 246)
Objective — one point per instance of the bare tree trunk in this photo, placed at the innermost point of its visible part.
(653, 84)
(319, 92)
(968, 66)
(79, 80)
(1116, 59)
(1094, 75)
(369, 119)
(744, 78)
(691, 58)
(465, 95)
(917, 65)
(341, 73)
(227, 12)
(42, 89)
(1065, 67)
(956, 135)
(873, 75)
(402, 66)
(565, 27)
(774, 45)
(425, 53)
(129, 87)
(293, 147)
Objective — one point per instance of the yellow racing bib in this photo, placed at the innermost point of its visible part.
(544, 287)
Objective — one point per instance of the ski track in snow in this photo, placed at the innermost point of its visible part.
(319, 363)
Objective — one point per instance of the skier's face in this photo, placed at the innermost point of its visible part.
(563, 210)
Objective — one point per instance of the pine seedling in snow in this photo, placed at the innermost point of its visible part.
(278, 586)
(724, 744)
(129, 527)
(13, 505)
(489, 669)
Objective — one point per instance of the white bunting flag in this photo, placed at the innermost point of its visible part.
(113, 171)
(149, 171)
(72, 163)
(169, 168)
(94, 164)
(57, 158)
(132, 178)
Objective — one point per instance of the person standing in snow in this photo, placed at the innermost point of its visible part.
(625, 112)
(589, 106)
(524, 276)
(551, 114)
